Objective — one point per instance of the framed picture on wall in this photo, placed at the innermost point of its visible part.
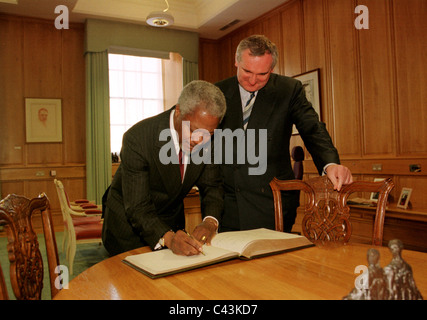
(403, 201)
(311, 83)
(43, 120)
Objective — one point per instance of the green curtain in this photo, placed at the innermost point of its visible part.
(101, 36)
(98, 154)
(190, 71)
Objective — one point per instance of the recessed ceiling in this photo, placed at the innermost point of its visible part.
(207, 17)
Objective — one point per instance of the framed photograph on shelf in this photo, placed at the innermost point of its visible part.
(311, 83)
(43, 120)
(375, 195)
(403, 201)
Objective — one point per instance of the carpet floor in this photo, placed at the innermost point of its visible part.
(86, 256)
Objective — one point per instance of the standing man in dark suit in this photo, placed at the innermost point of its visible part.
(258, 99)
(144, 204)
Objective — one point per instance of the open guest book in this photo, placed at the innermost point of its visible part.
(224, 246)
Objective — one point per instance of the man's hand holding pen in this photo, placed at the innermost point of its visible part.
(182, 243)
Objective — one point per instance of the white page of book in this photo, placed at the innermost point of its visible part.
(158, 262)
(238, 240)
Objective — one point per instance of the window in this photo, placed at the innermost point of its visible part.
(136, 93)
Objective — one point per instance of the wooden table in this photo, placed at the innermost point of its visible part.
(311, 273)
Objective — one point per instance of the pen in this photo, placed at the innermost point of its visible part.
(201, 249)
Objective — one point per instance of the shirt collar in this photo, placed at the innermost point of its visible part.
(174, 133)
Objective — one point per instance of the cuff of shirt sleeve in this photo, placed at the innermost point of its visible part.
(325, 167)
(159, 246)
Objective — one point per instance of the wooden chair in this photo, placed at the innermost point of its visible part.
(26, 264)
(81, 211)
(79, 227)
(327, 215)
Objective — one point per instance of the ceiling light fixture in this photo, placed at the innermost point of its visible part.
(160, 18)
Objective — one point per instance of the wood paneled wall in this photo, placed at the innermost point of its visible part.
(39, 61)
(373, 81)
(373, 92)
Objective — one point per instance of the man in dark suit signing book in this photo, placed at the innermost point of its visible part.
(144, 204)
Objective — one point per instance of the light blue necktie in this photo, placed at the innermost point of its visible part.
(248, 109)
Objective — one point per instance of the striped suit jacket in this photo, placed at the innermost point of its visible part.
(145, 199)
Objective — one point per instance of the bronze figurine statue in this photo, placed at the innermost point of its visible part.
(394, 282)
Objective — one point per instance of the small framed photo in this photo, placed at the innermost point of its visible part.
(43, 120)
(375, 195)
(311, 82)
(403, 201)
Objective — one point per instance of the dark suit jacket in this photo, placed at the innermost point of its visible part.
(248, 199)
(145, 199)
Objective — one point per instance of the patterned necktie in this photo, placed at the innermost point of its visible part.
(181, 164)
(248, 109)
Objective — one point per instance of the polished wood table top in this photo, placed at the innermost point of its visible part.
(311, 273)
